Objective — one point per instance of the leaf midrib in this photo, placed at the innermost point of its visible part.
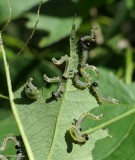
(57, 122)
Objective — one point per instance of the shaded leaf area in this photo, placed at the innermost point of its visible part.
(28, 66)
(53, 26)
(46, 124)
(18, 7)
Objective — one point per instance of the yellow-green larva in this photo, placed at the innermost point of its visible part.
(75, 131)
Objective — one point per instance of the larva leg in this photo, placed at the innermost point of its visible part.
(76, 131)
(61, 60)
(19, 155)
(90, 73)
(78, 83)
(58, 93)
(100, 99)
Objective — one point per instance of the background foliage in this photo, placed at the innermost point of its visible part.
(114, 52)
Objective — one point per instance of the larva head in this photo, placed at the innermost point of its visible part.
(85, 43)
(86, 137)
(94, 84)
(17, 147)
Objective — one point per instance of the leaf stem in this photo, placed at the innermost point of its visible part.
(4, 97)
(89, 131)
(11, 99)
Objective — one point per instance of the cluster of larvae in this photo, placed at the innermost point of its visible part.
(82, 75)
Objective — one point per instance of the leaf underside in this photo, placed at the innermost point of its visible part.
(46, 124)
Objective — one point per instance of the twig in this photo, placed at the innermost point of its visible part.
(32, 33)
(9, 18)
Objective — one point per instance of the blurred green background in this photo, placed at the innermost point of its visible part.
(115, 37)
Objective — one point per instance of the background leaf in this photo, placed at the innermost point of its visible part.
(18, 7)
(54, 27)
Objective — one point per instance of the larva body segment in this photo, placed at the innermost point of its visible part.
(100, 99)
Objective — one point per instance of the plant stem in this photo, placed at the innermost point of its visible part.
(129, 66)
(4, 97)
(11, 99)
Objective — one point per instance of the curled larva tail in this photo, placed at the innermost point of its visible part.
(51, 80)
(30, 90)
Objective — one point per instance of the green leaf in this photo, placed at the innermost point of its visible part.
(18, 7)
(56, 118)
(129, 4)
(57, 28)
(119, 119)
(6, 129)
(46, 125)
(125, 148)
